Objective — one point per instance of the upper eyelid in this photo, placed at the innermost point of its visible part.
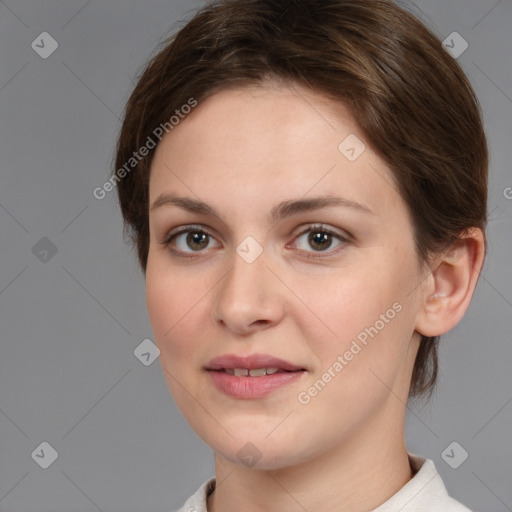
(199, 227)
(188, 227)
(321, 227)
(343, 238)
(168, 241)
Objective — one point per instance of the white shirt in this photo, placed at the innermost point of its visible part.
(425, 492)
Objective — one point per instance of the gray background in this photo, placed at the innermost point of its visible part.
(69, 325)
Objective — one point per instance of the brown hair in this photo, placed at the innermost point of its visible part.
(411, 99)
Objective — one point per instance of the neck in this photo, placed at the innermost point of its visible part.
(357, 475)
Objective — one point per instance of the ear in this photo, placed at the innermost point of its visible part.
(447, 290)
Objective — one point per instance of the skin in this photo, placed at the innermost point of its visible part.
(243, 151)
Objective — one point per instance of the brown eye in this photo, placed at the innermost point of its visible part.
(197, 240)
(189, 240)
(320, 240)
(317, 239)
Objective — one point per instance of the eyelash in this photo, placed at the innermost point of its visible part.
(321, 228)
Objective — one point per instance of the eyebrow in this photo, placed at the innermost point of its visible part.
(278, 212)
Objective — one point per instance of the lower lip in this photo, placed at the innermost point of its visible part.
(252, 387)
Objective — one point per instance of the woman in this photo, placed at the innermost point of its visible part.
(306, 186)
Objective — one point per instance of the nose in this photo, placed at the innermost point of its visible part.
(249, 298)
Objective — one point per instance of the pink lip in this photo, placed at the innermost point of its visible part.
(247, 387)
(250, 362)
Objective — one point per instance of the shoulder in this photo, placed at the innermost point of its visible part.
(425, 492)
(197, 502)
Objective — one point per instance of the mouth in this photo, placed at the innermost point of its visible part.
(254, 376)
(254, 372)
(255, 365)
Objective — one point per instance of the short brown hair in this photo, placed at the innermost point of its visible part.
(410, 98)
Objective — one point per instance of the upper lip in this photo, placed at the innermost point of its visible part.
(232, 361)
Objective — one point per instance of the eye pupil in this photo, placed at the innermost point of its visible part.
(320, 240)
(196, 237)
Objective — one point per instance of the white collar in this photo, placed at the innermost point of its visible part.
(425, 492)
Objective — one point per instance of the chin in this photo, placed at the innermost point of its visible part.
(260, 453)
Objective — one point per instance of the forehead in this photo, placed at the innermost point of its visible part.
(259, 143)
(264, 120)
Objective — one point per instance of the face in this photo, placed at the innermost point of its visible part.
(278, 243)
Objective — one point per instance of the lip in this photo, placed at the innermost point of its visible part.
(251, 362)
(247, 387)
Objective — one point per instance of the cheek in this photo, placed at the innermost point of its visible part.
(366, 325)
(361, 364)
(173, 307)
(346, 302)
(178, 319)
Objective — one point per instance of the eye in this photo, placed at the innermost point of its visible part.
(320, 239)
(190, 239)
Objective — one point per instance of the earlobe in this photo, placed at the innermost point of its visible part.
(449, 288)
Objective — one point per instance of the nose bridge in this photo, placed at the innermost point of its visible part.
(247, 296)
(246, 279)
